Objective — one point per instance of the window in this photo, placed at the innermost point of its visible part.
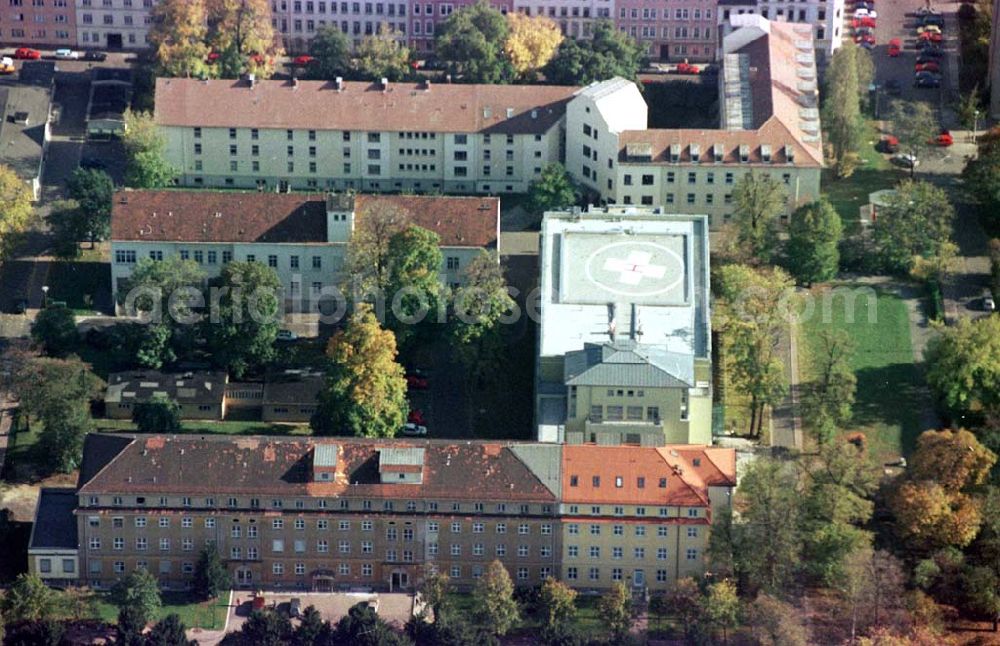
(501, 549)
(278, 545)
(692, 532)
(691, 554)
(456, 528)
(594, 574)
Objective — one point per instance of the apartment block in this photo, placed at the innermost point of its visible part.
(575, 17)
(38, 23)
(768, 123)
(352, 513)
(624, 351)
(363, 136)
(114, 24)
(297, 21)
(303, 237)
(685, 30)
(824, 17)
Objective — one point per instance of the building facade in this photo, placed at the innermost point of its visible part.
(200, 395)
(38, 23)
(297, 21)
(994, 63)
(769, 123)
(302, 515)
(825, 18)
(114, 24)
(360, 136)
(685, 30)
(303, 237)
(624, 352)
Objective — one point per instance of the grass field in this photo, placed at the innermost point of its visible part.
(247, 427)
(193, 614)
(887, 399)
(874, 174)
(21, 454)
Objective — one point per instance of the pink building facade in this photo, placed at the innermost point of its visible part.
(575, 17)
(38, 23)
(674, 31)
(297, 21)
(425, 17)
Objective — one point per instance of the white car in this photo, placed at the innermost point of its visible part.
(413, 429)
(905, 160)
(287, 335)
(866, 13)
(67, 54)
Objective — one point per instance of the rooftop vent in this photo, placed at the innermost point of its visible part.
(339, 83)
(719, 152)
(384, 82)
(744, 153)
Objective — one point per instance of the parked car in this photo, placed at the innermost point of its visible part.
(26, 53)
(926, 80)
(286, 335)
(67, 54)
(944, 139)
(99, 57)
(931, 19)
(895, 47)
(93, 163)
(413, 429)
(930, 37)
(864, 38)
(687, 68)
(415, 382)
(888, 144)
(302, 61)
(867, 45)
(893, 87)
(295, 607)
(926, 10)
(212, 57)
(924, 57)
(7, 65)
(927, 66)
(989, 304)
(866, 12)
(905, 160)
(416, 416)
(864, 21)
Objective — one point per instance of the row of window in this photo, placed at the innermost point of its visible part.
(618, 553)
(617, 413)
(594, 573)
(378, 8)
(651, 13)
(371, 137)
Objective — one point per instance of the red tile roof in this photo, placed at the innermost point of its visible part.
(317, 105)
(234, 216)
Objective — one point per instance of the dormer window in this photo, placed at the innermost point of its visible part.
(695, 153)
(675, 153)
(765, 153)
(789, 154)
(744, 153)
(719, 152)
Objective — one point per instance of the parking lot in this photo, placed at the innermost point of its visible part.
(395, 608)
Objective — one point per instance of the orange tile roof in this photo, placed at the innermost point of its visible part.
(459, 221)
(364, 106)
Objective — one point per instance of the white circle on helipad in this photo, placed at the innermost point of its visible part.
(635, 268)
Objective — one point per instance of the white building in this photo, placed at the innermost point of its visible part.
(114, 24)
(824, 17)
(360, 136)
(769, 123)
(302, 236)
(624, 349)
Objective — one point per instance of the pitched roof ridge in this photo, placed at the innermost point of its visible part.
(132, 441)
(664, 452)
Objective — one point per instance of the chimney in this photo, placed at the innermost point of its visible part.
(632, 322)
(295, 82)
(339, 83)
(534, 114)
(427, 85)
(384, 82)
(252, 80)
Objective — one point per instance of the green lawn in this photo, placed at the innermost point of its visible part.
(21, 452)
(193, 614)
(85, 286)
(887, 397)
(875, 173)
(587, 620)
(229, 427)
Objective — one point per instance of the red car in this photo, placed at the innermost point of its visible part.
(895, 47)
(416, 416)
(931, 37)
(889, 144)
(413, 382)
(864, 21)
(944, 139)
(303, 60)
(864, 38)
(928, 66)
(27, 53)
(687, 68)
(212, 57)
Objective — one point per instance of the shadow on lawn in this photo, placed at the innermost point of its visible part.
(888, 395)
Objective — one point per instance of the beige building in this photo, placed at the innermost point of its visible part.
(624, 352)
(344, 135)
(291, 395)
(200, 395)
(339, 513)
(769, 124)
(303, 237)
(53, 552)
(113, 24)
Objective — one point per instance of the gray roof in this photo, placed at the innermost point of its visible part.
(99, 450)
(22, 137)
(545, 462)
(184, 388)
(55, 525)
(628, 364)
(401, 456)
(299, 386)
(325, 455)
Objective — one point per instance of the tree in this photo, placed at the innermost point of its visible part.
(365, 392)
(615, 610)
(413, 288)
(159, 414)
(873, 586)
(981, 180)
(915, 127)
(608, 53)
(211, 578)
(814, 234)
(244, 28)
(241, 336)
(139, 593)
(147, 166)
(531, 43)
(471, 41)
(54, 329)
(368, 261)
(683, 601)
(169, 631)
(758, 200)
(331, 52)
(776, 623)
(363, 627)
(749, 315)
(93, 191)
(493, 598)
(434, 590)
(262, 628)
(768, 543)
(553, 190)
(28, 599)
(720, 608)
(311, 629)
(15, 209)
(177, 38)
(65, 223)
(383, 55)
(481, 301)
(954, 459)
(915, 221)
(558, 603)
(842, 108)
(828, 399)
(964, 365)
(43, 632)
(970, 108)
(981, 593)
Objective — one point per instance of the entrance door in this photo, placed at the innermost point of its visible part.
(639, 578)
(664, 52)
(244, 577)
(283, 186)
(323, 584)
(114, 41)
(400, 580)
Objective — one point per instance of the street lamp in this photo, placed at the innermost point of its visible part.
(975, 125)
(45, 296)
